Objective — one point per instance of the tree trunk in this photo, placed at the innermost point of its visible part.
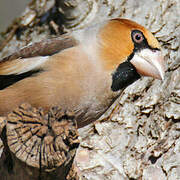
(139, 137)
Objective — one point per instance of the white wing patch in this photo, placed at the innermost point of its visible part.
(19, 66)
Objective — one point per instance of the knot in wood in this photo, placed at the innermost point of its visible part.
(44, 141)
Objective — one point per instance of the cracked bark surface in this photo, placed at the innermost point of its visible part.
(38, 145)
(139, 137)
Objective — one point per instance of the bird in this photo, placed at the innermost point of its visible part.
(83, 71)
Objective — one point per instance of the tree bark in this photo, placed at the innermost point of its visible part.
(38, 145)
(139, 137)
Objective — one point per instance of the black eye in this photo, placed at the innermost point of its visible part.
(137, 37)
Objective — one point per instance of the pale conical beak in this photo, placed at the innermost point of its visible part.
(149, 63)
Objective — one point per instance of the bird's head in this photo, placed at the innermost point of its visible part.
(129, 51)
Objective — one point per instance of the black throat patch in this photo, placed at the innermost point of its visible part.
(124, 75)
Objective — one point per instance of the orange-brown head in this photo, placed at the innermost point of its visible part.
(124, 41)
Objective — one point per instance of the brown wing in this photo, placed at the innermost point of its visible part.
(43, 48)
(30, 60)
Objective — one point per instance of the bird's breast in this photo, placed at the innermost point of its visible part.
(70, 80)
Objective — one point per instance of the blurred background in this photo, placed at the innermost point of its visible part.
(9, 9)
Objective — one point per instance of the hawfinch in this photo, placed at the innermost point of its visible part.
(83, 72)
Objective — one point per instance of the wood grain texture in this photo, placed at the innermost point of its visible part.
(39, 145)
(139, 137)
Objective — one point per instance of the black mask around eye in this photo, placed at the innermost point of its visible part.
(140, 42)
